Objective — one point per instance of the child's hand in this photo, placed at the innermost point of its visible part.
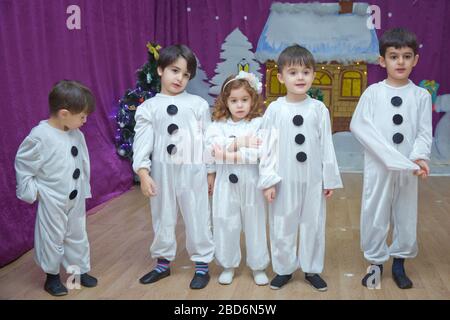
(328, 193)
(218, 153)
(211, 178)
(148, 186)
(248, 142)
(270, 194)
(424, 169)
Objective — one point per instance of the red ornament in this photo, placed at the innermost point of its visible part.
(141, 100)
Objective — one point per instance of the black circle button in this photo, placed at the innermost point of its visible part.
(76, 173)
(397, 119)
(233, 178)
(73, 194)
(171, 149)
(397, 138)
(172, 109)
(297, 120)
(396, 101)
(172, 128)
(301, 157)
(299, 139)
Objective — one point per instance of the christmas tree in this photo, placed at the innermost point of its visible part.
(236, 55)
(147, 85)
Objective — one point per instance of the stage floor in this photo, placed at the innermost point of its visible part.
(120, 234)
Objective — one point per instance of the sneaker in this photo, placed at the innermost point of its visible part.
(88, 281)
(226, 277)
(54, 286)
(279, 281)
(315, 281)
(260, 277)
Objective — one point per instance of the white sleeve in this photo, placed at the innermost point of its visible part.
(86, 168)
(27, 164)
(206, 124)
(269, 160)
(143, 139)
(330, 169)
(252, 155)
(422, 144)
(213, 136)
(368, 135)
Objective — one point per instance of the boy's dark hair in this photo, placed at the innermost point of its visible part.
(71, 95)
(397, 38)
(295, 55)
(170, 54)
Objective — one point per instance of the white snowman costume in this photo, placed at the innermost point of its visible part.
(52, 166)
(237, 203)
(170, 129)
(298, 158)
(394, 126)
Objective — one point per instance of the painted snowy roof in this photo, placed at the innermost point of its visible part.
(330, 36)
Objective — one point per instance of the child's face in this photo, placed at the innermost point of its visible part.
(298, 79)
(399, 62)
(72, 121)
(239, 103)
(174, 77)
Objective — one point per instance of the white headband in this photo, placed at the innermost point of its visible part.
(252, 80)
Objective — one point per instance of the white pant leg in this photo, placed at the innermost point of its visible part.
(76, 244)
(376, 212)
(404, 238)
(50, 230)
(164, 213)
(312, 233)
(284, 227)
(227, 224)
(192, 195)
(254, 217)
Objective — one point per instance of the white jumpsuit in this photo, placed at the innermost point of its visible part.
(394, 126)
(298, 157)
(170, 129)
(52, 166)
(237, 203)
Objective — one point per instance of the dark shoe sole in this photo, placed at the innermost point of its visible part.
(317, 289)
(161, 276)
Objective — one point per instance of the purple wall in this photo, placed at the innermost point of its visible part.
(37, 50)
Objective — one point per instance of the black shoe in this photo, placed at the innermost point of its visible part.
(279, 281)
(366, 277)
(399, 274)
(154, 276)
(199, 281)
(316, 282)
(402, 280)
(54, 286)
(88, 281)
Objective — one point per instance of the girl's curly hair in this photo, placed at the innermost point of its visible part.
(221, 111)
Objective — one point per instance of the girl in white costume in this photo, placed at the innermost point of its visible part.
(170, 128)
(298, 170)
(237, 203)
(52, 167)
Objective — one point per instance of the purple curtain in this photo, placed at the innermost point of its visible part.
(37, 50)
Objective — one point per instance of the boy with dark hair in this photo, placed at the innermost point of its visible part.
(393, 123)
(170, 128)
(52, 166)
(298, 171)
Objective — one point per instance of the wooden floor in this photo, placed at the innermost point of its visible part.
(120, 234)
